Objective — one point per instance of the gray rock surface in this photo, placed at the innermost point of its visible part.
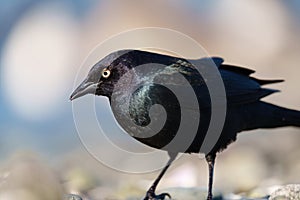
(288, 192)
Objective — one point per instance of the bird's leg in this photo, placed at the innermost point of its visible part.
(150, 195)
(210, 159)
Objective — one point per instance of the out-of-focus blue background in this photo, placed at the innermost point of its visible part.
(43, 43)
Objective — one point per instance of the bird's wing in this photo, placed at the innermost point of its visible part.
(240, 87)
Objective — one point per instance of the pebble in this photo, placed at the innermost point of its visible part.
(288, 192)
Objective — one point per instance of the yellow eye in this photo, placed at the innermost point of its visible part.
(105, 73)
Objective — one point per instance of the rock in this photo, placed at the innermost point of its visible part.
(79, 180)
(26, 177)
(261, 192)
(18, 194)
(288, 192)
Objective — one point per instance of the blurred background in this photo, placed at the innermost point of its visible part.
(42, 45)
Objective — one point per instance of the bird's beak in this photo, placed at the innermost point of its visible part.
(84, 88)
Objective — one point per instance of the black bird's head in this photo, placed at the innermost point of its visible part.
(104, 75)
(103, 78)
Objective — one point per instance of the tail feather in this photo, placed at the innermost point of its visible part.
(267, 115)
(292, 117)
(265, 82)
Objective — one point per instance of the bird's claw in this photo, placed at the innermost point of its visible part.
(153, 196)
(72, 197)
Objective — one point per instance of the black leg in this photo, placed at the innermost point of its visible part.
(210, 159)
(150, 195)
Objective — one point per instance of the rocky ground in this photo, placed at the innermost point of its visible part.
(242, 172)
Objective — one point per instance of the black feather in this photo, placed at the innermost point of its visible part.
(239, 70)
(266, 82)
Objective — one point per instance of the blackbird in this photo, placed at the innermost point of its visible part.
(135, 81)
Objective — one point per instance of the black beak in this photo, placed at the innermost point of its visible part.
(84, 88)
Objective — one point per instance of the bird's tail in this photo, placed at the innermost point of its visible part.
(287, 117)
(267, 115)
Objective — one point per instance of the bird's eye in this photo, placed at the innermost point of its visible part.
(105, 73)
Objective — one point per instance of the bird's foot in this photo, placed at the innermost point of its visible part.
(152, 196)
(209, 197)
(72, 197)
